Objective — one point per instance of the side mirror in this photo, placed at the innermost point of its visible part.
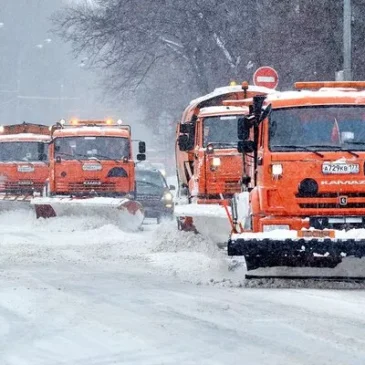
(141, 157)
(185, 128)
(246, 146)
(142, 147)
(243, 128)
(183, 142)
(172, 187)
(258, 102)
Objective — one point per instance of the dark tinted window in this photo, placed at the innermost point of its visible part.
(220, 131)
(328, 126)
(78, 148)
(23, 151)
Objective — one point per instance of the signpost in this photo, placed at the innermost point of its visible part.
(266, 76)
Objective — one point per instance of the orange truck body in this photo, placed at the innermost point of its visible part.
(23, 160)
(186, 160)
(78, 174)
(309, 171)
(92, 172)
(210, 184)
(209, 168)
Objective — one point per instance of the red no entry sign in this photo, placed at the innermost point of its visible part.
(266, 76)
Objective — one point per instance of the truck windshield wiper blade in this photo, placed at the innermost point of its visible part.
(355, 142)
(106, 157)
(149, 183)
(224, 144)
(337, 148)
(69, 154)
(298, 147)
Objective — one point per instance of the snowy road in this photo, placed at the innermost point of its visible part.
(80, 292)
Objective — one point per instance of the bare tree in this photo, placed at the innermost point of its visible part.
(129, 39)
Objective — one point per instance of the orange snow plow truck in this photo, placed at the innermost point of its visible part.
(304, 200)
(209, 168)
(23, 163)
(92, 172)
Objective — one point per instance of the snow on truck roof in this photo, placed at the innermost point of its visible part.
(24, 137)
(231, 89)
(220, 110)
(92, 131)
(323, 96)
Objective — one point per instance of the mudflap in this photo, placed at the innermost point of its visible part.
(44, 211)
(326, 253)
(186, 224)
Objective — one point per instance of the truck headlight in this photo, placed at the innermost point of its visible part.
(216, 161)
(277, 169)
(167, 197)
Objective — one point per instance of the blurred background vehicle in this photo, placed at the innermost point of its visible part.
(153, 193)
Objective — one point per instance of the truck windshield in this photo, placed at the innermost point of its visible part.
(220, 131)
(23, 151)
(321, 128)
(87, 147)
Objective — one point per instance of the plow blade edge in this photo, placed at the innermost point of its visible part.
(210, 220)
(296, 253)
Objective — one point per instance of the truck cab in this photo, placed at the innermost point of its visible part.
(310, 149)
(23, 160)
(217, 164)
(93, 158)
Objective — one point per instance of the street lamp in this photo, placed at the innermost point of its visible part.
(347, 20)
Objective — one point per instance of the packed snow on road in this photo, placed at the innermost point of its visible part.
(81, 291)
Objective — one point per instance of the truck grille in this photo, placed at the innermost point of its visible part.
(355, 200)
(22, 185)
(232, 186)
(81, 187)
(331, 205)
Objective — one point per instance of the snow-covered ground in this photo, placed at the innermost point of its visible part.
(81, 291)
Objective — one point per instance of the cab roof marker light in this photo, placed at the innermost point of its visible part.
(244, 85)
(119, 122)
(316, 85)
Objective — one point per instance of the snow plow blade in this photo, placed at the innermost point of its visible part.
(13, 202)
(125, 213)
(210, 220)
(325, 253)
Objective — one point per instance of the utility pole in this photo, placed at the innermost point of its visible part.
(347, 20)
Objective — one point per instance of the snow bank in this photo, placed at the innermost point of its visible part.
(158, 249)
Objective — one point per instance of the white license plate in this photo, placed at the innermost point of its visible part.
(340, 168)
(95, 183)
(25, 182)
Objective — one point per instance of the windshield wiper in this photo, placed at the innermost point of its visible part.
(305, 148)
(149, 183)
(106, 157)
(223, 144)
(72, 155)
(337, 148)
